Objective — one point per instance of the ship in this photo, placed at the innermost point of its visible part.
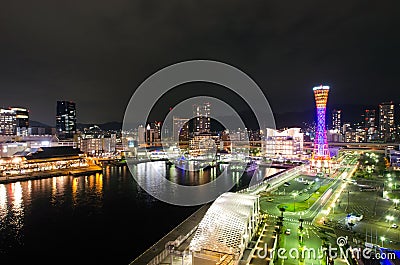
(243, 166)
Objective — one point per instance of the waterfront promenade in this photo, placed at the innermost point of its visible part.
(52, 173)
(180, 236)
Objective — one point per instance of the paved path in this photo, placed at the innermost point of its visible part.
(52, 173)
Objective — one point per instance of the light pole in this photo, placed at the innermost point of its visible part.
(294, 201)
(382, 240)
(396, 201)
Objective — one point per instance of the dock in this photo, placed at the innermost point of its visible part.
(52, 173)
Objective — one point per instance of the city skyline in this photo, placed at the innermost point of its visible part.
(286, 49)
(200, 132)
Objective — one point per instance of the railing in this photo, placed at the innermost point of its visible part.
(169, 248)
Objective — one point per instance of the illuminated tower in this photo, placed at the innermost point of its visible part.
(320, 157)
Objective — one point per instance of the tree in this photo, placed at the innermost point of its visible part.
(301, 220)
(282, 211)
(351, 226)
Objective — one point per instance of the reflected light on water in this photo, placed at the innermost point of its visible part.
(74, 187)
(99, 184)
(3, 201)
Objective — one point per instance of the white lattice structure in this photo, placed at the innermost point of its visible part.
(226, 229)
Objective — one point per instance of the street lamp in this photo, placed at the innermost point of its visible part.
(294, 201)
(389, 218)
(382, 240)
(396, 201)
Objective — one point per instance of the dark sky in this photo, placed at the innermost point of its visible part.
(97, 52)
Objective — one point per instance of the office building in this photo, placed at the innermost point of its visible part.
(21, 120)
(386, 121)
(202, 122)
(337, 120)
(180, 129)
(94, 141)
(66, 119)
(8, 122)
(141, 135)
(370, 124)
(287, 144)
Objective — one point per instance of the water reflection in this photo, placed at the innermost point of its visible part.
(44, 196)
(41, 208)
(151, 174)
(3, 201)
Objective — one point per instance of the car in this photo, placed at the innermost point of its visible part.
(287, 232)
(286, 184)
(270, 199)
(394, 226)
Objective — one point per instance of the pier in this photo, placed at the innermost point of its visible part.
(52, 173)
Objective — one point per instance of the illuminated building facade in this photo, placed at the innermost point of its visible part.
(337, 120)
(225, 230)
(283, 144)
(153, 133)
(180, 129)
(21, 120)
(202, 123)
(42, 159)
(320, 158)
(96, 142)
(386, 121)
(7, 122)
(370, 124)
(204, 145)
(66, 119)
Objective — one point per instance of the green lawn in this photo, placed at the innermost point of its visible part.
(304, 205)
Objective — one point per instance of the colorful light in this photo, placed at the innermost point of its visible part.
(321, 151)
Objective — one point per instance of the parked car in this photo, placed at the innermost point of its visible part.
(394, 226)
(287, 232)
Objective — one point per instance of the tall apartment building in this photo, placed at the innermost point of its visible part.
(202, 122)
(386, 121)
(66, 119)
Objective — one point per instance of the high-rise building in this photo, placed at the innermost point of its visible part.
(370, 124)
(202, 118)
(180, 129)
(386, 121)
(21, 120)
(141, 135)
(7, 122)
(66, 119)
(321, 156)
(337, 120)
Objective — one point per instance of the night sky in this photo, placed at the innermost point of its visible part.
(97, 52)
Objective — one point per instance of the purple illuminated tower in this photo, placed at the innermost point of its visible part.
(321, 157)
